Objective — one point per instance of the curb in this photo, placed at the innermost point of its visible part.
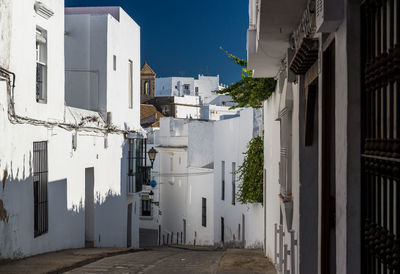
(196, 249)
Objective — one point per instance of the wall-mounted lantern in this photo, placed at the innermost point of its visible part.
(152, 155)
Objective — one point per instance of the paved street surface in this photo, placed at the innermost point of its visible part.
(174, 260)
(56, 262)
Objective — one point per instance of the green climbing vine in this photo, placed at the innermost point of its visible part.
(251, 173)
(249, 91)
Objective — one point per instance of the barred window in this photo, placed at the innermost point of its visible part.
(40, 195)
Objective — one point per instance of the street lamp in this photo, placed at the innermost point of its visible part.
(152, 155)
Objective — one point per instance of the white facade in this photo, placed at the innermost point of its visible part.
(204, 87)
(187, 107)
(318, 211)
(101, 45)
(85, 156)
(243, 224)
(190, 156)
(185, 177)
(214, 112)
(174, 86)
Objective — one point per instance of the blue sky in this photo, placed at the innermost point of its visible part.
(182, 37)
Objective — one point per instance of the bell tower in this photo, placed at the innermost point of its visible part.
(147, 83)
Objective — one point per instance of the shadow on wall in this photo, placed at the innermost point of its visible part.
(17, 211)
(66, 226)
(111, 210)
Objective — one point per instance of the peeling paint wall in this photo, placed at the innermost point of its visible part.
(5, 32)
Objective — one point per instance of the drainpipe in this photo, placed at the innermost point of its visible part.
(6, 73)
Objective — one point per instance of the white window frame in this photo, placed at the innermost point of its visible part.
(41, 65)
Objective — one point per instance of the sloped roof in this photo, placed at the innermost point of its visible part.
(147, 111)
(146, 69)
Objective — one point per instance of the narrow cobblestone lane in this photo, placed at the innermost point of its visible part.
(173, 260)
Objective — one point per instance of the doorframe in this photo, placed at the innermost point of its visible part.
(328, 162)
(89, 207)
(129, 225)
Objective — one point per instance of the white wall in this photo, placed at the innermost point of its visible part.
(174, 86)
(91, 82)
(5, 32)
(206, 85)
(186, 176)
(200, 143)
(200, 184)
(214, 112)
(231, 137)
(66, 166)
(23, 54)
(187, 107)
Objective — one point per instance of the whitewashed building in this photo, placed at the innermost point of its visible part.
(235, 224)
(187, 97)
(331, 133)
(190, 177)
(215, 112)
(175, 86)
(66, 179)
(185, 176)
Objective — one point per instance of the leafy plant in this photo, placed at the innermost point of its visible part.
(249, 91)
(251, 173)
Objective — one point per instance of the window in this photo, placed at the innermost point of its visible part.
(40, 179)
(41, 65)
(196, 92)
(146, 207)
(147, 88)
(130, 84)
(114, 62)
(186, 89)
(233, 183)
(136, 162)
(223, 180)
(204, 212)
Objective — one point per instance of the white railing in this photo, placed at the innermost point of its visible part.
(282, 251)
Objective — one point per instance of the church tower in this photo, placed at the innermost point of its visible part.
(147, 83)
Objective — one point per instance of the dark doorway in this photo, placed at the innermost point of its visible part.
(89, 207)
(328, 189)
(244, 230)
(222, 230)
(129, 227)
(184, 231)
